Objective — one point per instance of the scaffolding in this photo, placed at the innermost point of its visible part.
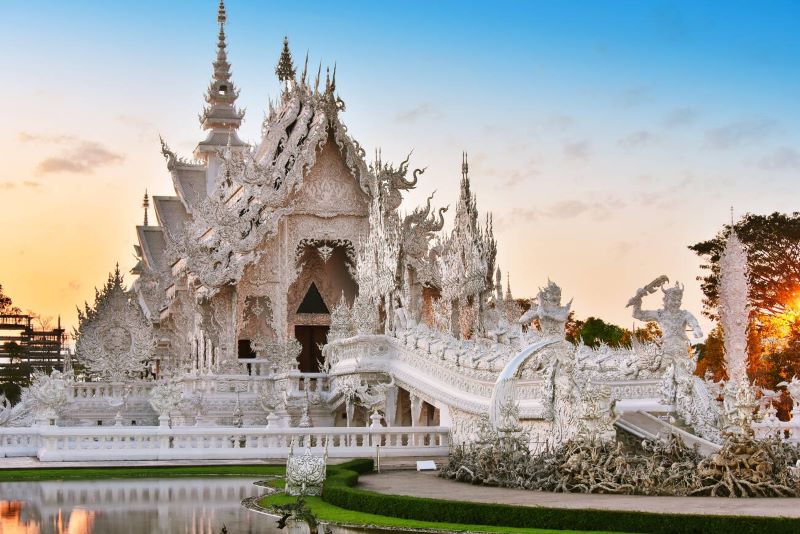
(24, 348)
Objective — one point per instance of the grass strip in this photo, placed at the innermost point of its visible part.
(99, 473)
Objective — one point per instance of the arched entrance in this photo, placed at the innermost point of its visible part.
(325, 274)
(312, 336)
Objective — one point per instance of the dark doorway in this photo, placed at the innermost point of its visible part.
(245, 350)
(311, 338)
(312, 302)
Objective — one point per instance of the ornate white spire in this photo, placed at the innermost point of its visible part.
(145, 206)
(220, 116)
(734, 308)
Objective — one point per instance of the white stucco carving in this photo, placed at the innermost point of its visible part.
(115, 340)
(415, 322)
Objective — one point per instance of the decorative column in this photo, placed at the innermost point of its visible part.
(390, 407)
(416, 409)
(734, 307)
(734, 312)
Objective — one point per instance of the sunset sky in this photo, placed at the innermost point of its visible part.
(605, 137)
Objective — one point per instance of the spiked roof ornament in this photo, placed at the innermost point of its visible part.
(285, 68)
(222, 15)
(145, 206)
(221, 116)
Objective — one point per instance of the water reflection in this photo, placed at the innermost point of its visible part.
(188, 506)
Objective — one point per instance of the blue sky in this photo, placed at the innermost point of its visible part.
(604, 136)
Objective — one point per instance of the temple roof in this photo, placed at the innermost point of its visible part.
(190, 186)
(171, 213)
(153, 246)
(301, 125)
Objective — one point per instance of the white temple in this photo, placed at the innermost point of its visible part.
(282, 294)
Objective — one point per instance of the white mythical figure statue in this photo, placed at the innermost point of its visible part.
(47, 395)
(165, 398)
(305, 474)
(673, 321)
(597, 414)
(557, 362)
(692, 396)
(10, 415)
(547, 309)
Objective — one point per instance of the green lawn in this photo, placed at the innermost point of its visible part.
(328, 512)
(88, 473)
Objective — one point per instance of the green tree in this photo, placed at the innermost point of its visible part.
(772, 243)
(594, 331)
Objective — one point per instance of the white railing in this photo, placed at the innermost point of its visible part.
(18, 442)
(102, 390)
(54, 444)
(770, 426)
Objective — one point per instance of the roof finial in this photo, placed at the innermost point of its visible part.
(464, 165)
(319, 72)
(285, 68)
(145, 205)
(305, 71)
(222, 16)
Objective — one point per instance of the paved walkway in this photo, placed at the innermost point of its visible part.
(428, 484)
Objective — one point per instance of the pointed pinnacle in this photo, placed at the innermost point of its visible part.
(222, 16)
(305, 70)
(319, 73)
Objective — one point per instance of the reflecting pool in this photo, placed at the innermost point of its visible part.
(173, 505)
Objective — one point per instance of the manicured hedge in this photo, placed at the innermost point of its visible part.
(340, 490)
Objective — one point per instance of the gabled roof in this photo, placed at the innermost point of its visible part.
(154, 246)
(302, 124)
(190, 185)
(171, 213)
